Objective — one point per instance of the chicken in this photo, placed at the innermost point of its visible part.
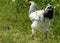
(40, 18)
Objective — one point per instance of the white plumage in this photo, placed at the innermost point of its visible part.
(33, 7)
(38, 19)
(37, 15)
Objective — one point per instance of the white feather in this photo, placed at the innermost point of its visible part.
(37, 15)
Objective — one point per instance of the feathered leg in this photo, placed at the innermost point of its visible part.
(47, 24)
(33, 34)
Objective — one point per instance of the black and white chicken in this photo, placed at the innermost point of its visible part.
(40, 18)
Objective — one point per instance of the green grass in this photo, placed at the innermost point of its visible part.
(15, 23)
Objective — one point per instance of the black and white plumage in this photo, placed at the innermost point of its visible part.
(40, 18)
(48, 12)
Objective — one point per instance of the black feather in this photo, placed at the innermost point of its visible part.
(48, 13)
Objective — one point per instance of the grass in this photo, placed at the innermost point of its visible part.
(15, 23)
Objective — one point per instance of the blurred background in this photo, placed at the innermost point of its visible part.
(15, 23)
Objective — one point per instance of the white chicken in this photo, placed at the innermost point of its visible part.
(39, 18)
